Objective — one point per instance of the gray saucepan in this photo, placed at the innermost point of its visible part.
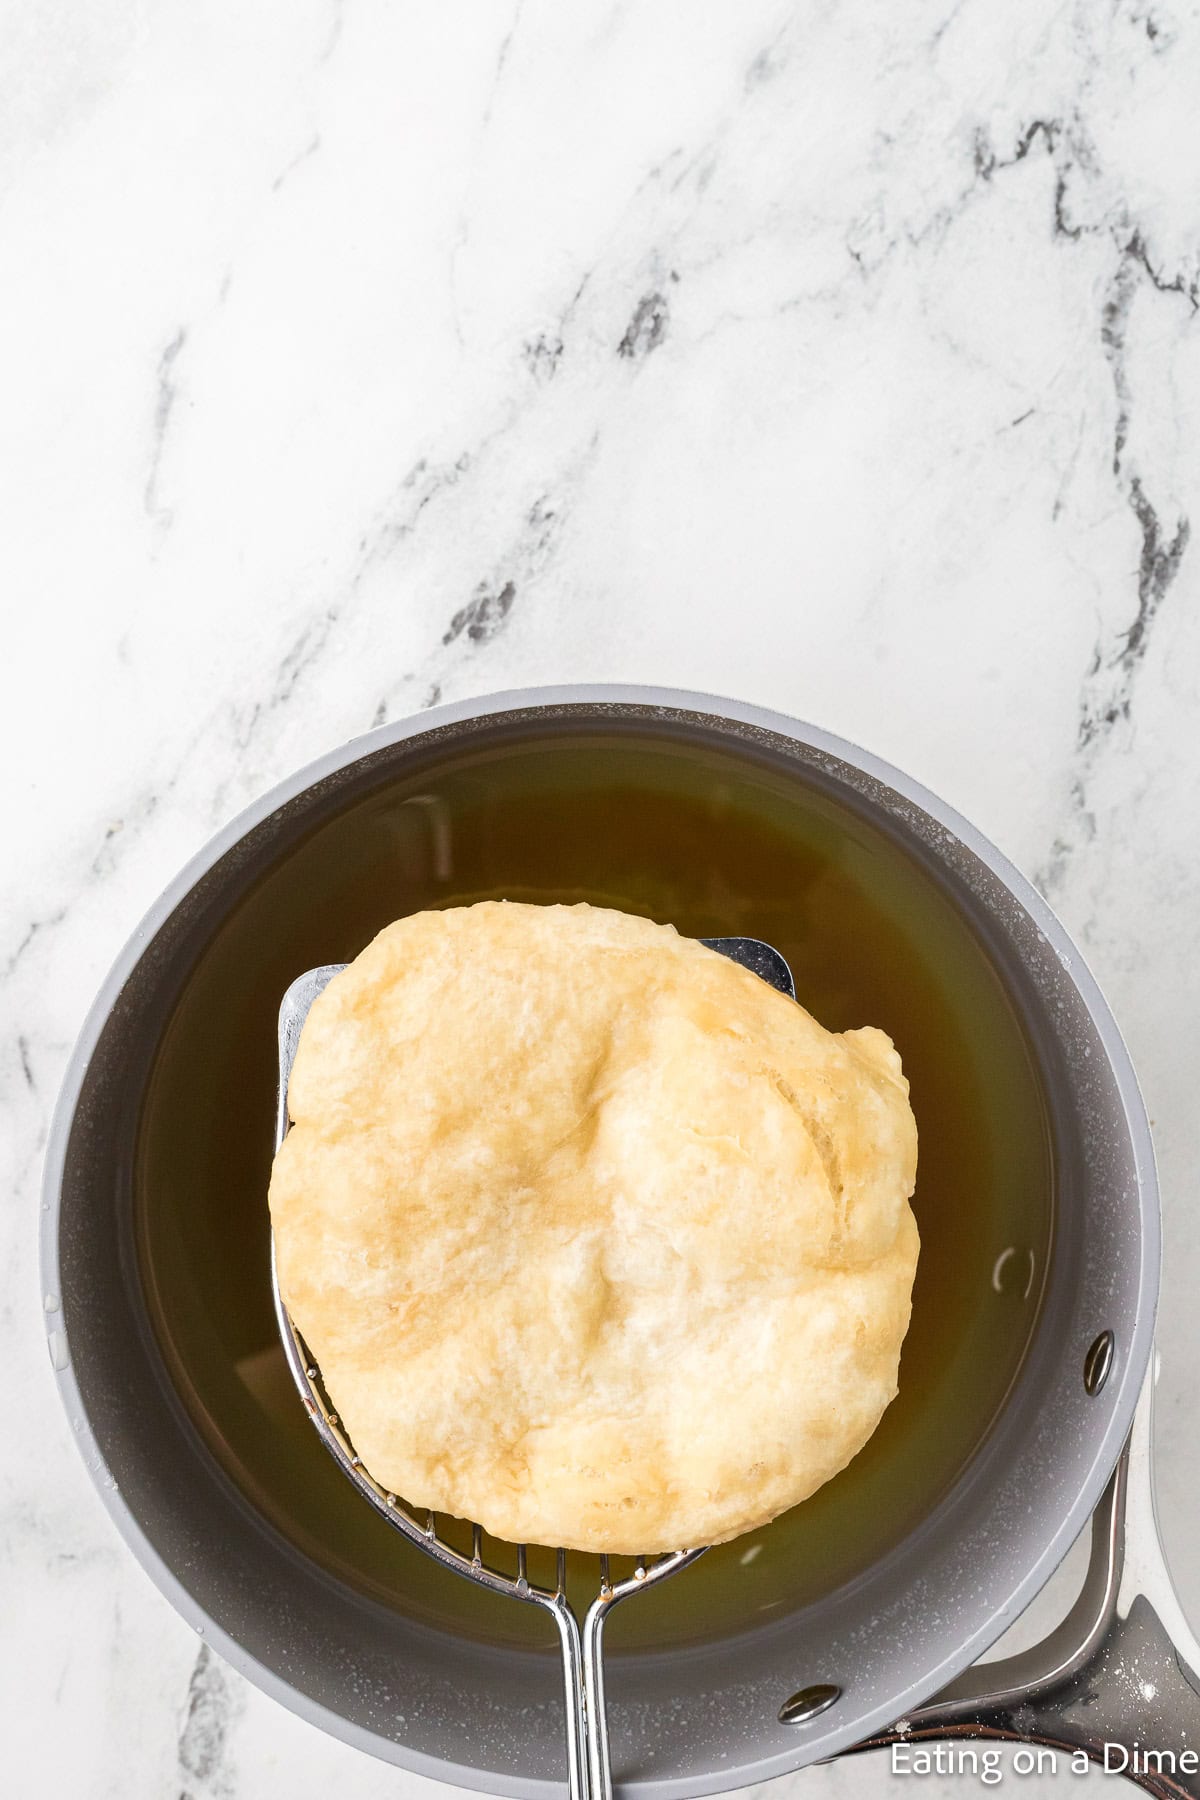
(859, 1618)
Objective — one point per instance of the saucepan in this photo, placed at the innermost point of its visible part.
(1025, 1379)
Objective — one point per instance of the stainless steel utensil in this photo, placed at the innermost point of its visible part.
(157, 1152)
(589, 1770)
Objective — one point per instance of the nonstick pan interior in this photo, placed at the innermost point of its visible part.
(722, 831)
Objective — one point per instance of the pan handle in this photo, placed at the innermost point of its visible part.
(1118, 1680)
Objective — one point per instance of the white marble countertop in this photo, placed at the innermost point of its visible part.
(839, 357)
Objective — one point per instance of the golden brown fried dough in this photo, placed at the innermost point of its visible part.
(597, 1238)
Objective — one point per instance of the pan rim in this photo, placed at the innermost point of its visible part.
(1125, 1384)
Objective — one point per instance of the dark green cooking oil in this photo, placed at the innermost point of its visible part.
(718, 846)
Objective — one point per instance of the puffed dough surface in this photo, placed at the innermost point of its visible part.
(597, 1238)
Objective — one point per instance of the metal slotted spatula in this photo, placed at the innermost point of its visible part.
(588, 1769)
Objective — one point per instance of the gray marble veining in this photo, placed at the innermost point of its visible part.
(840, 357)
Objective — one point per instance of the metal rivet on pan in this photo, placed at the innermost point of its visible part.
(808, 1703)
(1097, 1364)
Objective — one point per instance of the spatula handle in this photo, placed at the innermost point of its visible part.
(595, 1710)
(578, 1779)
